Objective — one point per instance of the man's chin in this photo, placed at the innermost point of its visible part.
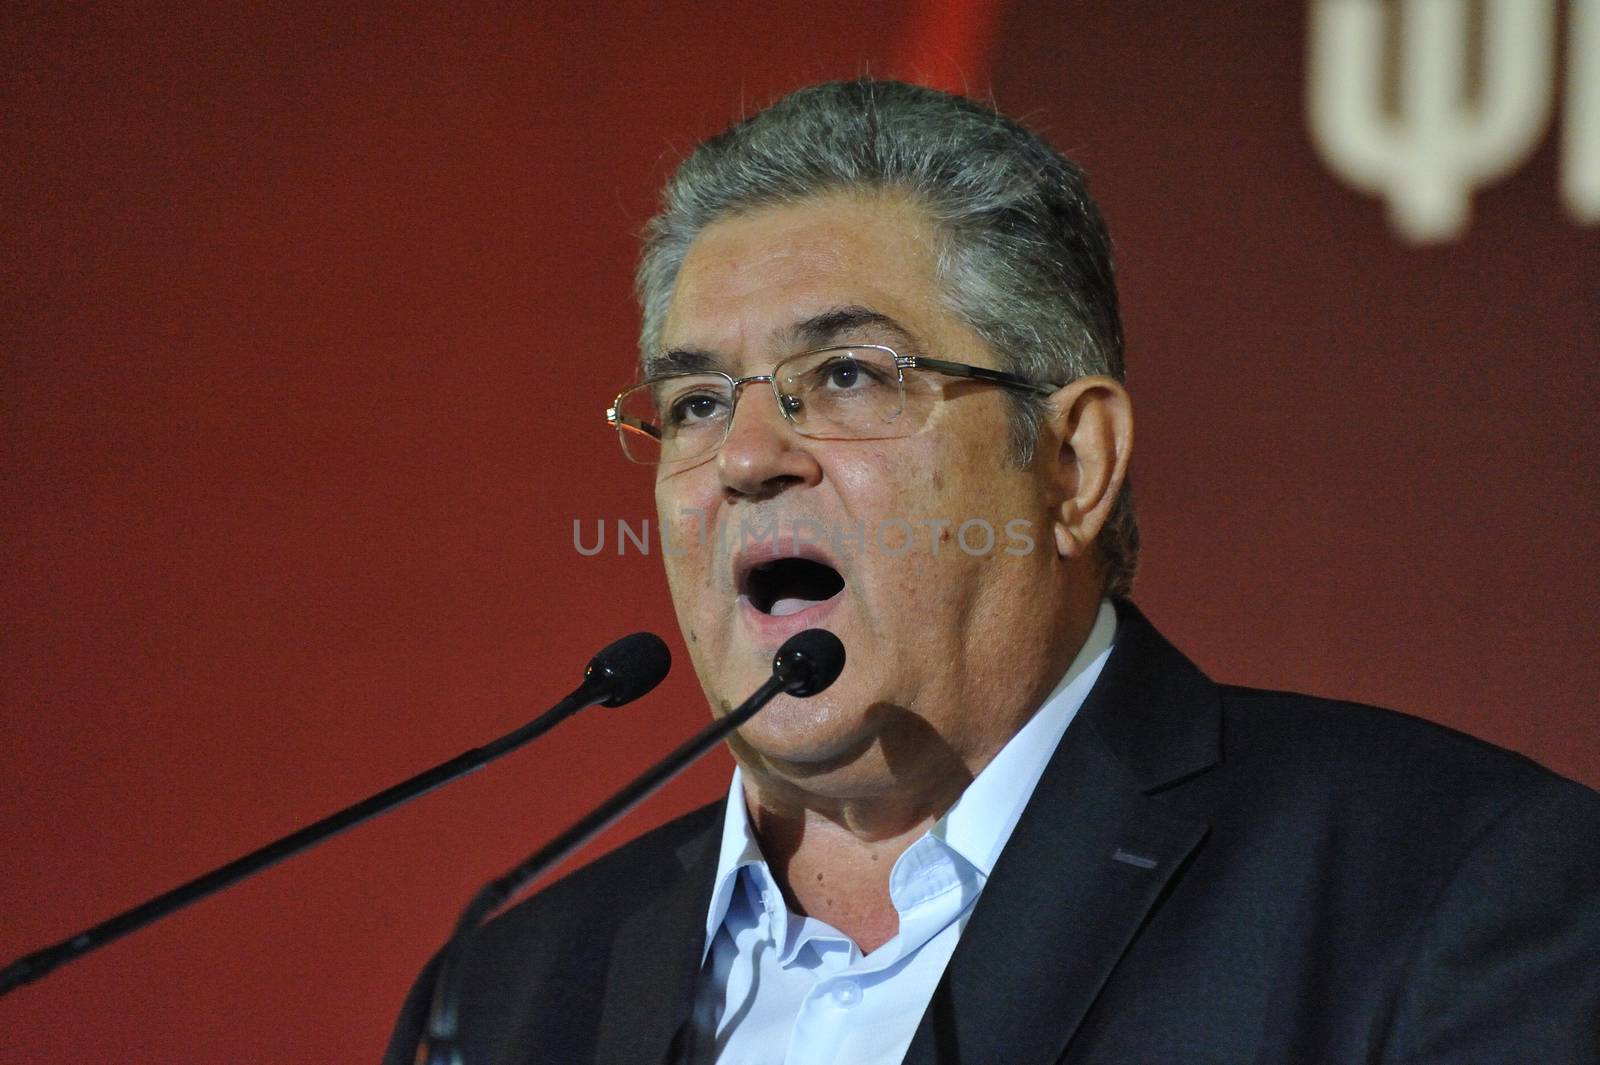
(800, 739)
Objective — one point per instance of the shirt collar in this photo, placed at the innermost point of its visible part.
(739, 849)
(980, 822)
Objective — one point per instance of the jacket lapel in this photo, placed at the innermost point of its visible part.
(656, 960)
(1085, 866)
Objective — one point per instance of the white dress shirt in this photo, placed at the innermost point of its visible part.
(777, 988)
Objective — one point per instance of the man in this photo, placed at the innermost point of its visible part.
(882, 395)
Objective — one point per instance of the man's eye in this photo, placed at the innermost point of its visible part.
(693, 409)
(841, 374)
(846, 375)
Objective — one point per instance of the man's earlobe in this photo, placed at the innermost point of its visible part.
(1066, 545)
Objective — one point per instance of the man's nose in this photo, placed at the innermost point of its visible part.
(763, 454)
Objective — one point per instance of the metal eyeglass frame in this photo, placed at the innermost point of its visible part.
(902, 363)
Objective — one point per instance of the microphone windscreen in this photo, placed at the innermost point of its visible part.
(808, 662)
(630, 667)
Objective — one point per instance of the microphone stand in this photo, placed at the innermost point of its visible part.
(441, 1036)
(595, 688)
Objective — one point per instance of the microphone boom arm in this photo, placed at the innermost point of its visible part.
(613, 677)
(806, 664)
(499, 891)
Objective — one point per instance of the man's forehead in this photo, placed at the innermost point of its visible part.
(778, 279)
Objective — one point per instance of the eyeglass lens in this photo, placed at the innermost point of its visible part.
(839, 392)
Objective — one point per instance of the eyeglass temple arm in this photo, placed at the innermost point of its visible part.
(621, 421)
(979, 373)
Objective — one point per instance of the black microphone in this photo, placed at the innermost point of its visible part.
(806, 664)
(625, 670)
(621, 673)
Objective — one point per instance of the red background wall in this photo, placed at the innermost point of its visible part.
(307, 320)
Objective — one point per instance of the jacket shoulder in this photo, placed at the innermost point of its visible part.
(1367, 761)
(1346, 735)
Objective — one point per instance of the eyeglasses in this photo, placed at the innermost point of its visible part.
(857, 392)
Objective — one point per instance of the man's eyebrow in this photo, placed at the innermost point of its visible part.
(681, 360)
(822, 329)
(817, 331)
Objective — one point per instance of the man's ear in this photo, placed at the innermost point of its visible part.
(1092, 423)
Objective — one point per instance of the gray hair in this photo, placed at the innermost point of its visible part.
(1023, 257)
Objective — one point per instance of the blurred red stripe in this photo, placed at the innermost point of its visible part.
(950, 44)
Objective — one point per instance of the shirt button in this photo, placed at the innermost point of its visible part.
(846, 993)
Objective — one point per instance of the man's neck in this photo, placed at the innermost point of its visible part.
(834, 864)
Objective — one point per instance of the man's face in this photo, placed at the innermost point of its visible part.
(930, 620)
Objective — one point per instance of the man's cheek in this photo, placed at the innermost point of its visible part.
(683, 534)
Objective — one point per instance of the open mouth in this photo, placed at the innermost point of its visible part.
(788, 585)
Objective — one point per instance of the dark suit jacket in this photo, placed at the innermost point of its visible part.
(1204, 874)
